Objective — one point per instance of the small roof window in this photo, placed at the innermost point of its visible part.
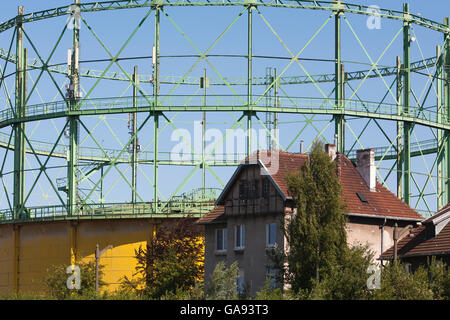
(361, 197)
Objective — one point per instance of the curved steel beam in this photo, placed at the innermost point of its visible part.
(295, 4)
(299, 105)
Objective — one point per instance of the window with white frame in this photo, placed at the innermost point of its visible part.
(239, 237)
(221, 240)
(271, 235)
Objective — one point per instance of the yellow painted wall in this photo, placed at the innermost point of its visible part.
(6, 258)
(42, 244)
(124, 235)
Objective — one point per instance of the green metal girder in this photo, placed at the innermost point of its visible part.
(440, 133)
(299, 4)
(132, 124)
(339, 120)
(99, 106)
(446, 101)
(399, 137)
(181, 206)
(72, 163)
(33, 63)
(19, 128)
(406, 103)
(146, 157)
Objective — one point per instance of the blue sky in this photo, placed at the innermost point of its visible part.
(202, 26)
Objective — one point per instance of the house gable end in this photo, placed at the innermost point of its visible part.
(236, 176)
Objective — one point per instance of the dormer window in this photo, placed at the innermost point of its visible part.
(362, 197)
(430, 231)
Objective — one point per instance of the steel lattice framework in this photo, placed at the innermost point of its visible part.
(27, 162)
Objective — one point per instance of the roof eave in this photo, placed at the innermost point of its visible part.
(227, 186)
(379, 216)
(439, 253)
(273, 181)
(211, 222)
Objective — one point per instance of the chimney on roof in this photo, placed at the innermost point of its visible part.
(301, 146)
(331, 150)
(365, 165)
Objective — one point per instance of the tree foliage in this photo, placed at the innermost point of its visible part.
(399, 284)
(269, 293)
(222, 285)
(172, 262)
(428, 282)
(55, 281)
(316, 234)
(346, 280)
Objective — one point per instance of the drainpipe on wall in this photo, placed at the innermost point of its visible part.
(397, 235)
(395, 240)
(382, 238)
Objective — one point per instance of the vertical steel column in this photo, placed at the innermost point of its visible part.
(101, 186)
(406, 155)
(155, 113)
(204, 84)
(275, 139)
(134, 151)
(446, 65)
(399, 130)
(269, 121)
(249, 78)
(74, 91)
(19, 128)
(339, 121)
(155, 161)
(440, 133)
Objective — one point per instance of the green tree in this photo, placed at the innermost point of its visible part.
(269, 293)
(223, 282)
(397, 283)
(171, 263)
(348, 279)
(439, 278)
(55, 281)
(316, 234)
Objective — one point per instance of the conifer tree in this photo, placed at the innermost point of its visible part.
(316, 235)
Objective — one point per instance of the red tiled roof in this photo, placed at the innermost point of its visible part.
(288, 162)
(285, 162)
(381, 202)
(416, 244)
(216, 215)
(441, 212)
